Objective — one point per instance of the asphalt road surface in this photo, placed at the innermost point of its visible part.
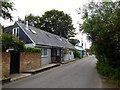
(78, 74)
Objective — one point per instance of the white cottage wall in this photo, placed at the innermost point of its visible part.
(68, 56)
(46, 59)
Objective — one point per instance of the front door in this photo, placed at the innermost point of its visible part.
(14, 62)
(56, 55)
(53, 55)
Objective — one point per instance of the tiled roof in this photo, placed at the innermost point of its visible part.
(45, 38)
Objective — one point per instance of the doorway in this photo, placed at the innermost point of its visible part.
(14, 62)
(56, 55)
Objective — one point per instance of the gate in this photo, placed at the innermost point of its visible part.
(14, 62)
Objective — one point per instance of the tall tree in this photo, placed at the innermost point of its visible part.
(5, 8)
(53, 21)
(33, 20)
(57, 22)
(102, 24)
(74, 41)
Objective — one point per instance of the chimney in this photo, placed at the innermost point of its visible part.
(26, 25)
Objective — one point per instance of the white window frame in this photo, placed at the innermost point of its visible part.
(15, 32)
(58, 52)
(44, 52)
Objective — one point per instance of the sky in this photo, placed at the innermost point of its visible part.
(39, 7)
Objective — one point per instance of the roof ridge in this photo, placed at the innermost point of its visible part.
(42, 30)
(45, 39)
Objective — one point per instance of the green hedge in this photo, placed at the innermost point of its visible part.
(108, 71)
(28, 49)
(77, 54)
(8, 41)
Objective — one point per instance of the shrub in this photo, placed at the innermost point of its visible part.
(108, 71)
(8, 41)
(29, 49)
(77, 54)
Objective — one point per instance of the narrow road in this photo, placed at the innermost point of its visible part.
(78, 74)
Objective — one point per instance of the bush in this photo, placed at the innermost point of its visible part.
(77, 54)
(29, 49)
(8, 41)
(108, 71)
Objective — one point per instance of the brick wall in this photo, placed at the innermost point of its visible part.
(29, 60)
(5, 64)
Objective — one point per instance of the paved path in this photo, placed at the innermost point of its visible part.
(78, 74)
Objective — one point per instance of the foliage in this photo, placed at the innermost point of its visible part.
(74, 41)
(109, 72)
(92, 49)
(57, 22)
(1, 30)
(101, 23)
(33, 20)
(53, 21)
(5, 8)
(66, 51)
(77, 54)
(28, 49)
(9, 41)
(0, 37)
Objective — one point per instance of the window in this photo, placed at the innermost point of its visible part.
(44, 52)
(48, 35)
(53, 52)
(34, 32)
(56, 38)
(15, 32)
(58, 52)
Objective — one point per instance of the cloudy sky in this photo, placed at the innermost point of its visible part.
(39, 7)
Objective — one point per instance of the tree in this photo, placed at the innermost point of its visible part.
(33, 20)
(101, 23)
(53, 21)
(57, 22)
(74, 41)
(8, 41)
(5, 8)
(102, 26)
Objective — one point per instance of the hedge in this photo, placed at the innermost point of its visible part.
(29, 49)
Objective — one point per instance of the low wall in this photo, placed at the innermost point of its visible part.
(29, 60)
(5, 64)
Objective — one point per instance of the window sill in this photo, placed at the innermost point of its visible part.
(44, 56)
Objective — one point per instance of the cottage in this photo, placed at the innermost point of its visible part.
(54, 48)
(80, 49)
